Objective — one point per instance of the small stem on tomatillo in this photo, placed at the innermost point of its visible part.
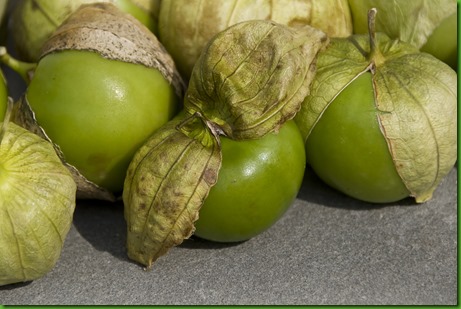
(375, 53)
(6, 119)
(24, 69)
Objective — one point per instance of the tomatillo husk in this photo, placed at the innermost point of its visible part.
(408, 97)
(37, 201)
(185, 27)
(33, 21)
(166, 184)
(116, 43)
(429, 25)
(252, 77)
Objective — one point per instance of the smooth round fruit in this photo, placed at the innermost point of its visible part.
(347, 150)
(258, 181)
(99, 111)
(443, 42)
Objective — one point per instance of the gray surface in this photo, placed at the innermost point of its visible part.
(327, 249)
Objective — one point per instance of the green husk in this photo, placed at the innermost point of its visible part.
(185, 27)
(37, 201)
(166, 184)
(253, 76)
(416, 100)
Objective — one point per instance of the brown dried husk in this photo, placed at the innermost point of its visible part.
(104, 29)
(167, 181)
(114, 35)
(252, 77)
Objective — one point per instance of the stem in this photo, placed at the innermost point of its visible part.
(6, 119)
(192, 132)
(375, 53)
(24, 69)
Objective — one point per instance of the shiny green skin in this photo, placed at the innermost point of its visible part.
(258, 181)
(443, 42)
(347, 150)
(99, 111)
(3, 96)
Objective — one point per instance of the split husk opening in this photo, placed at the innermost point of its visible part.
(102, 28)
(415, 99)
(250, 79)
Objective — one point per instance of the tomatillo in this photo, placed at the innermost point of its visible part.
(99, 111)
(34, 21)
(258, 181)
(380, 122)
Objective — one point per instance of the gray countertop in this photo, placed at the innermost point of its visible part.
(326, 249)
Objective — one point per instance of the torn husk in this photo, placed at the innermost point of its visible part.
(24, 116)
(415, 100)
(115, 35)
(167, 181)
(102, 28)
(252, 77)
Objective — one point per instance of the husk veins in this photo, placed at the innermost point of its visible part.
(249, 80)
(37, 201)
(253, 76)
(104, 29)
(415, 98)
(166, 184)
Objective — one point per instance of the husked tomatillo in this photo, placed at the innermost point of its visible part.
(380, 123)
(103, 85)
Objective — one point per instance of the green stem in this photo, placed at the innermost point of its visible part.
(6, 118)
(24, 69)
(375, 54)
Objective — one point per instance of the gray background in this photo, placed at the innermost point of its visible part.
(327, 249)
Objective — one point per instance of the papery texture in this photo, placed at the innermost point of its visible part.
(185, 27)
(415, 99)
(37, 201)
(253, 76)
(166, 184)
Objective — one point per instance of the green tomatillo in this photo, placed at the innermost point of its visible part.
(103, 85)
(33, 21)
(430, 25)
(380, 122)
(236, 133)
(258, 181)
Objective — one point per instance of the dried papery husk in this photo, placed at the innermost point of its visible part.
(37, 201)
(114, 35)
(430, 25)
(166, 184)
(34, 21)
(415, 99)
(185, 27)
(410, 21)
(102, 28)
(252, 77)
(25, 116)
